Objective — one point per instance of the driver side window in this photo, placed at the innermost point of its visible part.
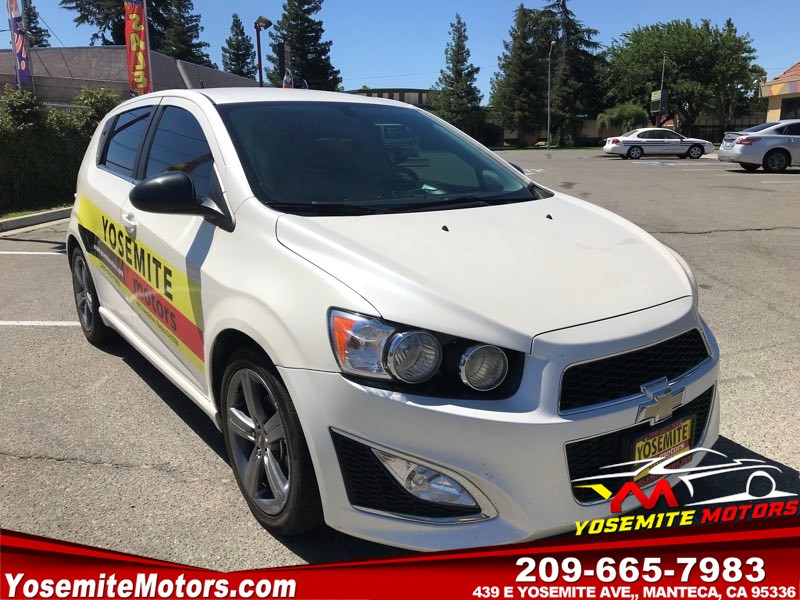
(180, 145)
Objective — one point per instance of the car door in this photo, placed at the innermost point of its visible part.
(172, 248)
(102, 193)
(792, 133)
(647, 143)
(672, 143)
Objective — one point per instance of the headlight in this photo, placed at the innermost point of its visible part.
(414, 356)
(483, 368)
(358, 343)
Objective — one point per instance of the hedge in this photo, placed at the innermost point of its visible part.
(41, 149)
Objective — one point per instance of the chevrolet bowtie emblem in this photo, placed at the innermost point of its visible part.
(661, 401)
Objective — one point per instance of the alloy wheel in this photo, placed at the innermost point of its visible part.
(635, 152)
(260, 452)
(695, 152)
(83, 294)
(776, 161)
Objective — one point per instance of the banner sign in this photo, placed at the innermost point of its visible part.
(723, 561)
(659, 101)
(136, 47)
(19, 43)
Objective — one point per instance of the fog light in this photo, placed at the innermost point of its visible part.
(483, 368)
(425, 483)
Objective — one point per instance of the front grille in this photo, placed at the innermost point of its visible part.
(623, 375)
(587, 457)
(370, 485)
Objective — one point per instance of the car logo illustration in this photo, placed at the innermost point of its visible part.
(661, 401)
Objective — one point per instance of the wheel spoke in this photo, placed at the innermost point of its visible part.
(278, 482)
(241, 424)
(253, 473)
(273, 429)
(251, 396)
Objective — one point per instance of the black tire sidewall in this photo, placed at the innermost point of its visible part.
(302, 511)
(99, 331)
(630, 155)
(689, 152)
(765, 165)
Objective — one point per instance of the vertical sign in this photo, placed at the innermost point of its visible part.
(19, 44)
(136, 47)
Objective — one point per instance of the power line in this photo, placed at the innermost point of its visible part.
(50, 29)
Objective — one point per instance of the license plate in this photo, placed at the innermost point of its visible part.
(663, 442)
(727, 144)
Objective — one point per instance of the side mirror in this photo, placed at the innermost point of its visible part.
(518, 168)
(173, 193)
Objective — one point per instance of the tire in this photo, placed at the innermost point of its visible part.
(86, 302)
(695, 152)
(635, 152)
(682, 156)
(268, 455)
(776, 161)
(749, 166)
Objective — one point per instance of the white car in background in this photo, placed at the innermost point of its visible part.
(656, 141)
(774, 145)
(419, 347)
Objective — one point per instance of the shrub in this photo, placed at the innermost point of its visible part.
(623, 117)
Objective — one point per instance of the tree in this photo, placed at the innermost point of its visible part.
(38, 36)
(575, 88)
(182, 35)
(707, 69)
(457, 98)
(625, 116)
(310, 55)
(238, 56)
(519, 88)
(108, 17)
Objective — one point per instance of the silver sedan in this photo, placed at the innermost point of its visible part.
(774, 145)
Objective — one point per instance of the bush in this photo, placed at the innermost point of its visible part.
(623, 117)
(42, 149)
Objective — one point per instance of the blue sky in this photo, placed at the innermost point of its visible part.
(383, 43)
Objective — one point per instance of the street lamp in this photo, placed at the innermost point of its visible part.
(549, 56)
(261, 23)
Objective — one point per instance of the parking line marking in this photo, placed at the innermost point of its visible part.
(26, 253)
(780, 181)
(39, 324)
(710, 169)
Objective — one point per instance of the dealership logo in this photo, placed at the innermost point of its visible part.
(662, 400)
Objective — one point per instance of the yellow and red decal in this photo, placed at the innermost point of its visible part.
(163, 294)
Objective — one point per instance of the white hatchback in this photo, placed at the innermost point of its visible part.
(656, 141)
(396, 331)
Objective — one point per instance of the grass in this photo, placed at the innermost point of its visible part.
(37, 207)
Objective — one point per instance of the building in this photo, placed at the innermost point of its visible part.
(59, 73)
(415, 96)
(783, 94)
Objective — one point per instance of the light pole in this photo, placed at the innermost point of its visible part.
(549, 56)
(261, 23)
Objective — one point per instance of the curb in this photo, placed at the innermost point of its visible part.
(35, 219)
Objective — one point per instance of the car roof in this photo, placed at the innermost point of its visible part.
(232, 95)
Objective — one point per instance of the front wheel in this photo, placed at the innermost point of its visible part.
(86, 301)
(695, 152)
(266, 447)
(635, 152)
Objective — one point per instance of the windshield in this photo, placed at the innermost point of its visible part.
(761, 127)
(341, 157)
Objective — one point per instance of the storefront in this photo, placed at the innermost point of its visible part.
(783, 95)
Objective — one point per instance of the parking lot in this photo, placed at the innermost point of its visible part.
(99, 448)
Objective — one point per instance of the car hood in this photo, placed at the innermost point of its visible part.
(500, 274)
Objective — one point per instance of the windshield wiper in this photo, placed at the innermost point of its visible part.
(460, 201)
(329, 208)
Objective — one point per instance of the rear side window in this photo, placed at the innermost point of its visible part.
(124, 139)
(792, 129)
(180, 145)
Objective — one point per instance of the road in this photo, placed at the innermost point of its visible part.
(99, 448)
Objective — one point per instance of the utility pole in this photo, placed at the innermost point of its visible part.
(661, 98)
(261, 23)
(549, 56)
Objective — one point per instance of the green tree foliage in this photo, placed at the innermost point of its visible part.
(707, 68)
(182, 36)
(32, 136)
(622, 117)
(457, 98)
(519, 88)
(238, 56)
(38, 36)
(575, 86)
(311, 58)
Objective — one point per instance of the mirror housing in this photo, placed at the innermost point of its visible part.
(173, 193)
(517, 167)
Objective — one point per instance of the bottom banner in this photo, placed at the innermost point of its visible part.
(743, 560)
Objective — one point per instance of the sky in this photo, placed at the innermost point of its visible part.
(386, 43)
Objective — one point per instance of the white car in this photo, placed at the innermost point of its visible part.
(656, 141)
(420, 348)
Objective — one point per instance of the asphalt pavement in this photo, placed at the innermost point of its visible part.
(98, 448)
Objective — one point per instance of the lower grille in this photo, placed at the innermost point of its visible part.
(622, 375)
(370, 485)
(587, 457)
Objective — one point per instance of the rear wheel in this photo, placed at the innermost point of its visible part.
(635, 152)
(776, 161)
(695, 152)
(266, 447)
(749, 166)
(86, 301)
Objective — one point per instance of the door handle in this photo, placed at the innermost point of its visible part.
(129, 222)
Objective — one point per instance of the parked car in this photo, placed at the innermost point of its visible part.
(774, 145)
(656, 141)
(419, 351)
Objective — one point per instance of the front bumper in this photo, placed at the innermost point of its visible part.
(512, 450)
